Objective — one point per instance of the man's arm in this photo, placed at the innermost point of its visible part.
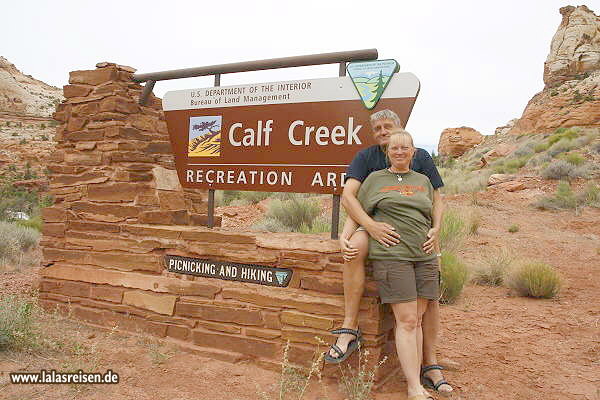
(437, 214)
(380, 231)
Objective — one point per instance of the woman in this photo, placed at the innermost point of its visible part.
(407, 276)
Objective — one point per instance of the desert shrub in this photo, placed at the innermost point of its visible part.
(23, 141)
(541, 147)
(319, 225)
(492, 268)
(254, 197)
(559, 147)
(15, 239)
(452, 231)
(563, 198)
(558, 169)
(294, 380)
(595, 148)
(239, 202)
(590, 196)
(539, 159)
(573, 158)
(18, 329)
(526, 150)
(562, 133)
(473, 222)
(33, 223)
(44, 138)
(225, 197)
(462, 181)
(43, 126)
(513, 228)
(357, 384)
(14, 134)
(516, 163)
(294, 212)
(454, 275)
(535, 279)
(270, 225)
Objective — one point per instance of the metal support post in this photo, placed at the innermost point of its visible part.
(211, 192)
(335, 209)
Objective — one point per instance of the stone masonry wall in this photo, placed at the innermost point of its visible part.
(120, 209)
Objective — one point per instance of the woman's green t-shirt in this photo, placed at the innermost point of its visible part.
(406, 205)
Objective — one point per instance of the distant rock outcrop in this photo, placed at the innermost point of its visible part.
(571, 96)
(575, 47)
(454, 142)
(23, 95)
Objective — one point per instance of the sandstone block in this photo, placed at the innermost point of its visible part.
(307, 320)
(202, 220)
(76, 90)
(300, 264)
(93, 226)
(169, 200)
(86, 314)
(209, 236)
(272, 320)
(262, 333)
(166, 179)
(135, 324)
(323, 285)
(306, 336)
(89, 159)
(90, 135)
(85, 146)
(301, 255)
(93, 77)
(159, 148)
(162, 304)
(214, 326)
(54, 229)
(75, 124)
(130, 156)
(107, 293)
(244, 345)
(66, 288)
(219, 313)
(146, 200)
(116, 192)
(76, 180)
(54, 214)
(119, 104)
(141, 230)
(144, 122)
(155, 283)
(106, 209)
(178, 332)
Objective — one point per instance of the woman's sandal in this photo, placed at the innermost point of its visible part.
(428, 382)
(352, 345)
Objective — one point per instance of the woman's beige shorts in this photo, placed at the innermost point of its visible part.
(404, 281)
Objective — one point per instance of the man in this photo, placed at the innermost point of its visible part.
(354, 246)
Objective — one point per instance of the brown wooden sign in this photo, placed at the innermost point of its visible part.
(277, 137)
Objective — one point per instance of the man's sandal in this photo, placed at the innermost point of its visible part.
(430, 384)
(352, 345)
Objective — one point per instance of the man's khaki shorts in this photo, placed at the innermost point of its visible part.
(404, 281)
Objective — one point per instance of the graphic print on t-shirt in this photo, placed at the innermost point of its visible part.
(406, 190)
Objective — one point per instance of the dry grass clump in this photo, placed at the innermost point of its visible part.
(565, 198)
(358, 384)
(454, 275)
(16, 243)
(535, 279)
(492, 268)
(18, 327)
(452, 231)
(558, 169)
(461, 180)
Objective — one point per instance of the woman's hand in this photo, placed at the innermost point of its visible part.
(348, 252)
(384, 233)
(431, 242)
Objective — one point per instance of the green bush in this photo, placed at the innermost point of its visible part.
(18, 329)
(573, 158)
(563, 198)
(23, 141)
(15, 239)
(295, 212)
(254, 197)
(590, 196)
(270, 225)
(563, 133)
(535, 279)
(453, 231)
(491, 270)
(513, 228)
(319, 225)
(34, 223)
(596, 148)
(558, 169)
(562, 146)
(454, 275)
(541, 147)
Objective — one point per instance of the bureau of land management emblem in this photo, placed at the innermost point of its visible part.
(370, 79)
(205, 136)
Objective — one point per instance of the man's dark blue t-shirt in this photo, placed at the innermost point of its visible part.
(373, 159)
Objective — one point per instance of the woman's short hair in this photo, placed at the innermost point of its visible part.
(386, 114)
(400, 132)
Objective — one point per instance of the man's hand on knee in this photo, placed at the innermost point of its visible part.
(348, 251)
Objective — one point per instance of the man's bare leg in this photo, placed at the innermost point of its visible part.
(431, 329)
(354, 286)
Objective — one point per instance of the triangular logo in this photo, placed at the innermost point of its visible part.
(370, 79)
(281, 275)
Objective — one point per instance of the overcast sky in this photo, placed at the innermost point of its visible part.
(479, 62)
